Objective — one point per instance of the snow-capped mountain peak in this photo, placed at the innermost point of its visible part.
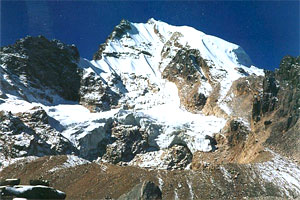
(147, 49)
(158, 73)
(174, 76)
(154, 96)
(139, 38)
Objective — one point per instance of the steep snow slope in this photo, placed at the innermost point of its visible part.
(139, 53)
(147, 49)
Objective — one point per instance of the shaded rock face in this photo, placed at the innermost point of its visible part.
(32, 192)
(39, 182)
(128, 141)
(96, 95)
(280, 90)
(40, 70)
(30, 133)
(117, 33)
(10, 182)
(143, 191)
(186, 71)
(43, 62)
(289, 70)
(177, 157)
(266, 102)
(279, 107)
(238, 133)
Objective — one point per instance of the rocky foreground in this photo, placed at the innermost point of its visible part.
(161, 112)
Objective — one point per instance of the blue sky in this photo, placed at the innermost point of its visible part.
(267, 30)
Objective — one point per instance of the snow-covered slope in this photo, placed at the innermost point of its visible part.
(139, 53)
(147, 49)
(129, 65)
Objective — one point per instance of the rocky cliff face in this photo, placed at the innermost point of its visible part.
(155, 96)
(186, 70)
(35, 62)
(30, 134)
(277, 109)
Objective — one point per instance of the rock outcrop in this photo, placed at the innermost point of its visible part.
(143, 191)
(128, 141)
(177, 157)
(96, 95)
(39, 63)
(277, 111)
(32, 192)
(188, 70)
(30, 133)
(117, 33)
(38, 189)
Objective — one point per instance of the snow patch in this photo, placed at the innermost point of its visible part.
(4, 162)
(226, 174)
(281, 172)
(160, 183)
(190, 188)
(71, 161)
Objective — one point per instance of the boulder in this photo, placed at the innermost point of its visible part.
(128, 142)
(11, 182)
(32, 192)
(177, 157)
(39, 182)
(143, 191)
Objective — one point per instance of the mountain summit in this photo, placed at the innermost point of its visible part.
(155, 96)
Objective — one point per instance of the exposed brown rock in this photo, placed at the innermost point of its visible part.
(127, 141)
(185, 70)
(177, 157)
(143, 191)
